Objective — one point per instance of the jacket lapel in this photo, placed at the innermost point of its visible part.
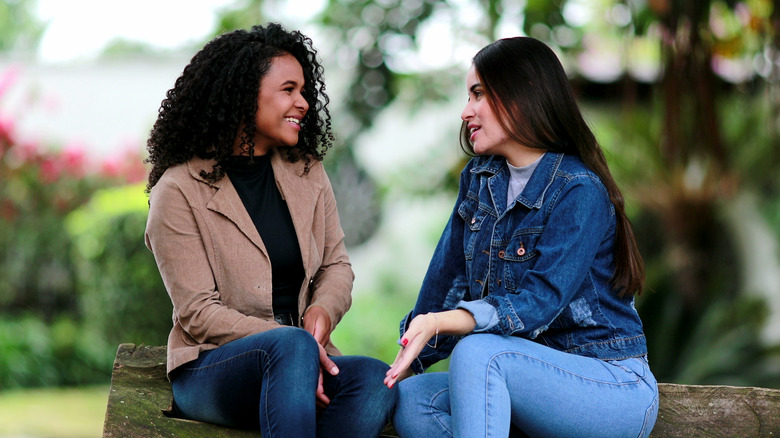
(301, 195)
(227, 202)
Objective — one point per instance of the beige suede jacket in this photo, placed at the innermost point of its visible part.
(214, 264)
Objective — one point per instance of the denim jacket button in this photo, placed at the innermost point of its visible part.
(501, 254)
(473, 220)
(521, 251)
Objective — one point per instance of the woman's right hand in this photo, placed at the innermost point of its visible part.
(420, 331)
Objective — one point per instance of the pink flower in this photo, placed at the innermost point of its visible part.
(6, 125)
(74, 159)
(111, 167)
(51, 170)
(9, 77)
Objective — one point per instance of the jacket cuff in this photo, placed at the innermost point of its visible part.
(484, 314)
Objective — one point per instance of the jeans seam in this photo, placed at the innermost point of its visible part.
(432, 411)
(567, 371)
(223, 361)
(264, 394)
(647, 415)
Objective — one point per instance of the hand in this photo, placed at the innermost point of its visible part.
(317, 322)
(327, 364)
(420, 331)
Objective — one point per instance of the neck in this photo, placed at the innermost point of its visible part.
(523, 156)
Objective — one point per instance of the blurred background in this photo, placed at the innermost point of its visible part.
(684, 96)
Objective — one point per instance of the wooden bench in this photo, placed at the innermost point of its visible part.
(140, 396)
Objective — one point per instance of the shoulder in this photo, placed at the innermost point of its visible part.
(580, 185)
(182, 178)
(574, 170)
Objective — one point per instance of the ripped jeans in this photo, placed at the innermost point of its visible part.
(500, 386)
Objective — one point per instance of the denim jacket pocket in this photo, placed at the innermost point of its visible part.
(519, 254)
(473, 217)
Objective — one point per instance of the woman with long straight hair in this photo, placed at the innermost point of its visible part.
(531, 287)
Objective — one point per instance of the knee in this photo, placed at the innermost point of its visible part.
(365, 376)
(471, 348)
(293, 344)
(369, 374)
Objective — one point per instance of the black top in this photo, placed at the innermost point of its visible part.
(256, 186)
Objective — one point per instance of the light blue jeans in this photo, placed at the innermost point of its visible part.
(501, 386)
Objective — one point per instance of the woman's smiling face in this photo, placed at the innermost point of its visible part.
(280, 105)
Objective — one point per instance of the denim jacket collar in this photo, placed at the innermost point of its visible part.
(533, 194)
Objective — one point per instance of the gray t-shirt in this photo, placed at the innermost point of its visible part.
(518, 178)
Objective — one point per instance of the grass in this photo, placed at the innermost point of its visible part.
(53, 412)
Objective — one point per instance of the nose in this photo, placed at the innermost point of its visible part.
(467, 112)
(302, 104)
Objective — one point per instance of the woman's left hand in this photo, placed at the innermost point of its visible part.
(317, 322)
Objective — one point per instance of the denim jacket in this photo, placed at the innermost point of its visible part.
(539, 268)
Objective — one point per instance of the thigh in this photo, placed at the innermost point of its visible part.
(423, 408)
(224, 385)
(360, 403)
(553, 393)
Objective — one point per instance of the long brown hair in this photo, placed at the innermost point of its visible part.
(527, 88)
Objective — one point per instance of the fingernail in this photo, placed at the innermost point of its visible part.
(334, 371)
(405, 341)
(391, 385)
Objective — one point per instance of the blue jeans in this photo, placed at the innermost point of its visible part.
(268, 381)
(500, 386)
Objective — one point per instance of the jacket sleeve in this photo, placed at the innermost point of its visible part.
(331, 285)
(173, 234)
(445, 283)
(579, 219)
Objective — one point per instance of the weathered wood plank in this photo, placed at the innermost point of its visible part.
(140, 394)
(717, 411)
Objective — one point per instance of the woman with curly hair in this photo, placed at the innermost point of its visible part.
(244, 228)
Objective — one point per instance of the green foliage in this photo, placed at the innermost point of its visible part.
(20, 29)
(121, 292)
(371, 327)
(35, 196)
(45, 338)
(33, 353)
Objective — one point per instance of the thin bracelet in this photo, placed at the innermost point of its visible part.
(436, 341)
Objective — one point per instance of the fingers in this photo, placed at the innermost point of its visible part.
(322, 400)
(400, 367)
(326, 363)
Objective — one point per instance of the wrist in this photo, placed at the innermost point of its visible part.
(435, 334)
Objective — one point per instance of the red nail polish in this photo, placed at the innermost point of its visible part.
(405, 341)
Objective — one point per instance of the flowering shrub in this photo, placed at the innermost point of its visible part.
(39, 188)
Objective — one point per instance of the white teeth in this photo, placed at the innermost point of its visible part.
(293, 120)
(473, 130)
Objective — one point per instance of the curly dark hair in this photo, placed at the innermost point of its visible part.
(216, 96)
